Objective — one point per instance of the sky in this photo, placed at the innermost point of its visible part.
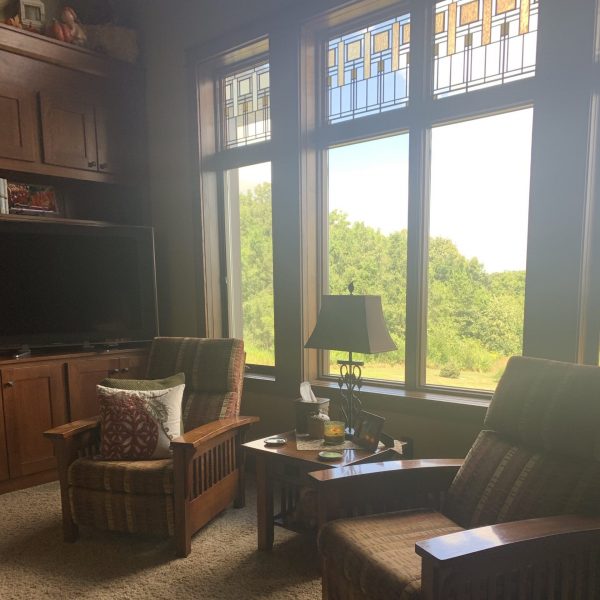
(479, 185)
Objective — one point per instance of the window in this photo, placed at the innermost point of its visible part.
(234, 91)
(368, 210)
(249, 242)
(479, 205)
(425, 204)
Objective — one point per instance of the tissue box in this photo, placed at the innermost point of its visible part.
(304, 409)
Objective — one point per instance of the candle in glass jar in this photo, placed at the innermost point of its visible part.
(333, 432)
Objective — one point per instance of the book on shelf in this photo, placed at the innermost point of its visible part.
(3, 196)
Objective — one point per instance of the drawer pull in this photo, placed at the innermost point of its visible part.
(92, 163)
(113, 371)
(10, 384)
(125, 370)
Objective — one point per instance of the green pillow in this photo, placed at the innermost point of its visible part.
(144, 385)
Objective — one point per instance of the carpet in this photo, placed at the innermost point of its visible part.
(224, 562)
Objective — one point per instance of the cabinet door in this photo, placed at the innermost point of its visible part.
(3, 454)
(108, 141)
(34, 401)
(68, 131)
(17, 123)
(84, 375)
(133, 366)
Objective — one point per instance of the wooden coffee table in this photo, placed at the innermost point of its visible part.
(288, 467)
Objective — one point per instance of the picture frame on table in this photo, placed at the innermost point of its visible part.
(368, 430)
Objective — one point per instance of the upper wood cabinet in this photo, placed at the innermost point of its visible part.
(68, 131)
(89, 118)
(3, 455)
(18, 123)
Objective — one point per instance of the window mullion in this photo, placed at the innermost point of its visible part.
(418, 194)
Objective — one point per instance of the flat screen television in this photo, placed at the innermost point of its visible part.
(75, 284)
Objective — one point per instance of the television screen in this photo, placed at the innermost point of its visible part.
(65, 284)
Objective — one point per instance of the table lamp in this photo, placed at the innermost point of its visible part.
(352, 324)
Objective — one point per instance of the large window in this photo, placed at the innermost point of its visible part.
(234, 94)
(437, 226)
(368, 211)
(479, 205)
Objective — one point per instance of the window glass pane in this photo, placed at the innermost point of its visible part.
(368, 70)
(246, 106)
(368, 209)
(477, 248)
(481, 43)
(250, 260)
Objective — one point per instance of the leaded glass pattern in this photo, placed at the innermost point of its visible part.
(368, 70)
(481, 43)
(246, 107)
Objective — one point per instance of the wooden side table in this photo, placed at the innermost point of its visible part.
(288, 468)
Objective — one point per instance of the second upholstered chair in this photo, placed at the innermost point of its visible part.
(520, 518)
(173, 496)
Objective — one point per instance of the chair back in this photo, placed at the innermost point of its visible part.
(539, 454)
(214, 375)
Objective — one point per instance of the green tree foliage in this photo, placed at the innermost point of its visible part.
(474, 318)
(257, 273)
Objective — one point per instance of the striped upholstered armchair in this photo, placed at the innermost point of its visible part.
(520, 518)
(173, 496)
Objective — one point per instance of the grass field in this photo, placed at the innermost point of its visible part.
(467, 379)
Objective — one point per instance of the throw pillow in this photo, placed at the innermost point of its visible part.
(144, 384)
(138, 424)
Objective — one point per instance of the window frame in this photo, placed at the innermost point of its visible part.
(422, 113)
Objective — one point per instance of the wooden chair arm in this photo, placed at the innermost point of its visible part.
(531, 535)
(530, 556)
(73, 429)
(382, 487)
(396, 471)
(195, 438)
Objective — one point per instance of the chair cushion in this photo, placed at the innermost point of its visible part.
(549, 405)
(376, 554)
(138, 424)
(151, 477)
(144, 384)
(129, 513)
(502, 481)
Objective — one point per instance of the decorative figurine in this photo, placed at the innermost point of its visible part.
(69, 29)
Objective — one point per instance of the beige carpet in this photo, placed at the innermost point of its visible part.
(224, 563)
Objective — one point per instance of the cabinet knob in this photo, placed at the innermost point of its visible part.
(10, 384)
(91, 163)
(104, 166)
(125, 370)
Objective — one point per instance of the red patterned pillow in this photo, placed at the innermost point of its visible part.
(138, 424)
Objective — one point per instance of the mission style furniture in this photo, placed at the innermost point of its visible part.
(169, 497)
(287, 468)
(520, 517)
(73, 119)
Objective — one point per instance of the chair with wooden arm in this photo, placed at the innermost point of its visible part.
(177, 496)
(520, 519)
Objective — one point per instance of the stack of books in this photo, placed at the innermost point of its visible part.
(3, 197)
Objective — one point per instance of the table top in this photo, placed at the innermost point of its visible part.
(289, 451)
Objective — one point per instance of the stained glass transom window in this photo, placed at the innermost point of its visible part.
(368, 70)
(246, 110)
(481, 43)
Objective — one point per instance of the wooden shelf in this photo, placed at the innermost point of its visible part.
(50, 50)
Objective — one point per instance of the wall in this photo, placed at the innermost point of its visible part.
(558, 202)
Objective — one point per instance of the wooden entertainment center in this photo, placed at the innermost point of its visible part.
(74, 120)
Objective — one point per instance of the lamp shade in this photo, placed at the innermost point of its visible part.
(352, 324)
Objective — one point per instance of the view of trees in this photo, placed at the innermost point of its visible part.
(475, 318)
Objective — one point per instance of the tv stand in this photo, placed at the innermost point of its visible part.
(23, 352)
